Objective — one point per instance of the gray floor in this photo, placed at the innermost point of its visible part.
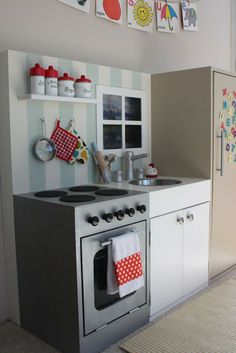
(14, 339)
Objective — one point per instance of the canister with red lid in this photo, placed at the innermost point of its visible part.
(51, 81)
(37, 79)
(83, 87)
(66, 86)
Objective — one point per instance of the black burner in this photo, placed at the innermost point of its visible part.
(77, 198)
(84, 188)
(50, 193)
(111, 192)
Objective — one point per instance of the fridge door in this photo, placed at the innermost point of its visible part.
(223, 238)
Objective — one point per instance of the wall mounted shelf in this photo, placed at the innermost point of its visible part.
(37, 97)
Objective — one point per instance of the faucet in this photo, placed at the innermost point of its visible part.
(129, 157)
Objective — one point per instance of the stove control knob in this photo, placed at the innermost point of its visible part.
(141, 208)
(93, 220)
(108, 217)
(130, 212)
(120, 215)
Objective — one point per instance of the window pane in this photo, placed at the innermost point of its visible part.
(132, 108)
(133, 136)
(112, 107)
(112, 136)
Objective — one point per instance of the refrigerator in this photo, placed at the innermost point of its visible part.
(194, 135)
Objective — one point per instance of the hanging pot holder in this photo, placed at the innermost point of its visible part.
(81, 152)
(65, 142)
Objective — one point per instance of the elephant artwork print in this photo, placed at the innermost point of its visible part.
(82, 5)
(110, 10)
(189, 15)
(141, 14)
(168, 18)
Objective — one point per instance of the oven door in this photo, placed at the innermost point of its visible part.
(100, 308)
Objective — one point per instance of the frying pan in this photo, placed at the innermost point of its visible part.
(44, 149)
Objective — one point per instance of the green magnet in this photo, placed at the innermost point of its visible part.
(228, 122)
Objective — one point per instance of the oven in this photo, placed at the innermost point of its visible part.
(99, 308)
(63, 299)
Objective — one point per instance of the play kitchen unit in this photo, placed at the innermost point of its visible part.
(68, 230)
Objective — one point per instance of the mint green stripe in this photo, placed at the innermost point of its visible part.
(37, 176)
(115, 77)
(136, 80)
(35, 111)
(93, 73)
(66, 114)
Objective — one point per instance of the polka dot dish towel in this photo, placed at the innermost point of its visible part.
(124, 271)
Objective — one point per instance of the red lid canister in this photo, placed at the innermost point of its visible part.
(37, 70)
(51, 72)
(83, 79)
(65, 77)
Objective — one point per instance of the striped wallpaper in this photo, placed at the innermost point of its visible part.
(30, 174)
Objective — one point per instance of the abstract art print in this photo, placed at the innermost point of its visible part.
(168, 17)
(83, 5)
(141, 14)
(189, 15)
(109, 10)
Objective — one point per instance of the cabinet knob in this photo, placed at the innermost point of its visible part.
(180, 220)
(190, 217)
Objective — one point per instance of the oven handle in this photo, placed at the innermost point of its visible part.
(105, 243)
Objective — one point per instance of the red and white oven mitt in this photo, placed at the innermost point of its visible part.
(124, 271)
(65, 142)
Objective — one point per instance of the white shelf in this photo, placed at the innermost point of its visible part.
(38, 97)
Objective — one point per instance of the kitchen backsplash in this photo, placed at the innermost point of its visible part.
(30, 174)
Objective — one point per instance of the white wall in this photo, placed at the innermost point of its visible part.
(52, 28)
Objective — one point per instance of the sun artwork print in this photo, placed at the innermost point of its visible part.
(141, 14)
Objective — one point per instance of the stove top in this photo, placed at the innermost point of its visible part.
(80, 195)
(102, 207)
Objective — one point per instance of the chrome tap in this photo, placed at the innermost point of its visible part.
(129, 157)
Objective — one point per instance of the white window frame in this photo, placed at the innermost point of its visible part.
(123, 92)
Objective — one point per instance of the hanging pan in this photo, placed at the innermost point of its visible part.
(44, 149)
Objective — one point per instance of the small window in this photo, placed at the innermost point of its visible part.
(121, 121)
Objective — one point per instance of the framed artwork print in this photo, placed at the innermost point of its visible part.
(82, 5)
(109, 10)
(120, 120)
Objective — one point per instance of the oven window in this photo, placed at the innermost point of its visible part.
(102, 299)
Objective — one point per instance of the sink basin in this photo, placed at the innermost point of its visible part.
(155, 182)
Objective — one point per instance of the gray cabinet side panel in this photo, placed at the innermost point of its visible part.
(5, 186)
(47, 276)
(181, 122)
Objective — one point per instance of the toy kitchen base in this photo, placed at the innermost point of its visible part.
(61, 245)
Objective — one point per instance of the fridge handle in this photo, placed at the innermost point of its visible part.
(221, 169)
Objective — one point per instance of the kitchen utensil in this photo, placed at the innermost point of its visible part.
(37, 79)
(101, 164)
(66, 86)
(44, 149)
(65, 142)
(139, 173)
(117, 176)
(51, 81)
(83, 87)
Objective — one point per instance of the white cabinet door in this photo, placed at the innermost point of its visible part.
(166, 260)
(195, 247)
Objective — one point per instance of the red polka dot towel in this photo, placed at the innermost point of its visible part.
(124, 272)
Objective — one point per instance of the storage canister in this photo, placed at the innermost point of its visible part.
(83, 87)
(66, 86)
(51, 81)
(37, 79)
